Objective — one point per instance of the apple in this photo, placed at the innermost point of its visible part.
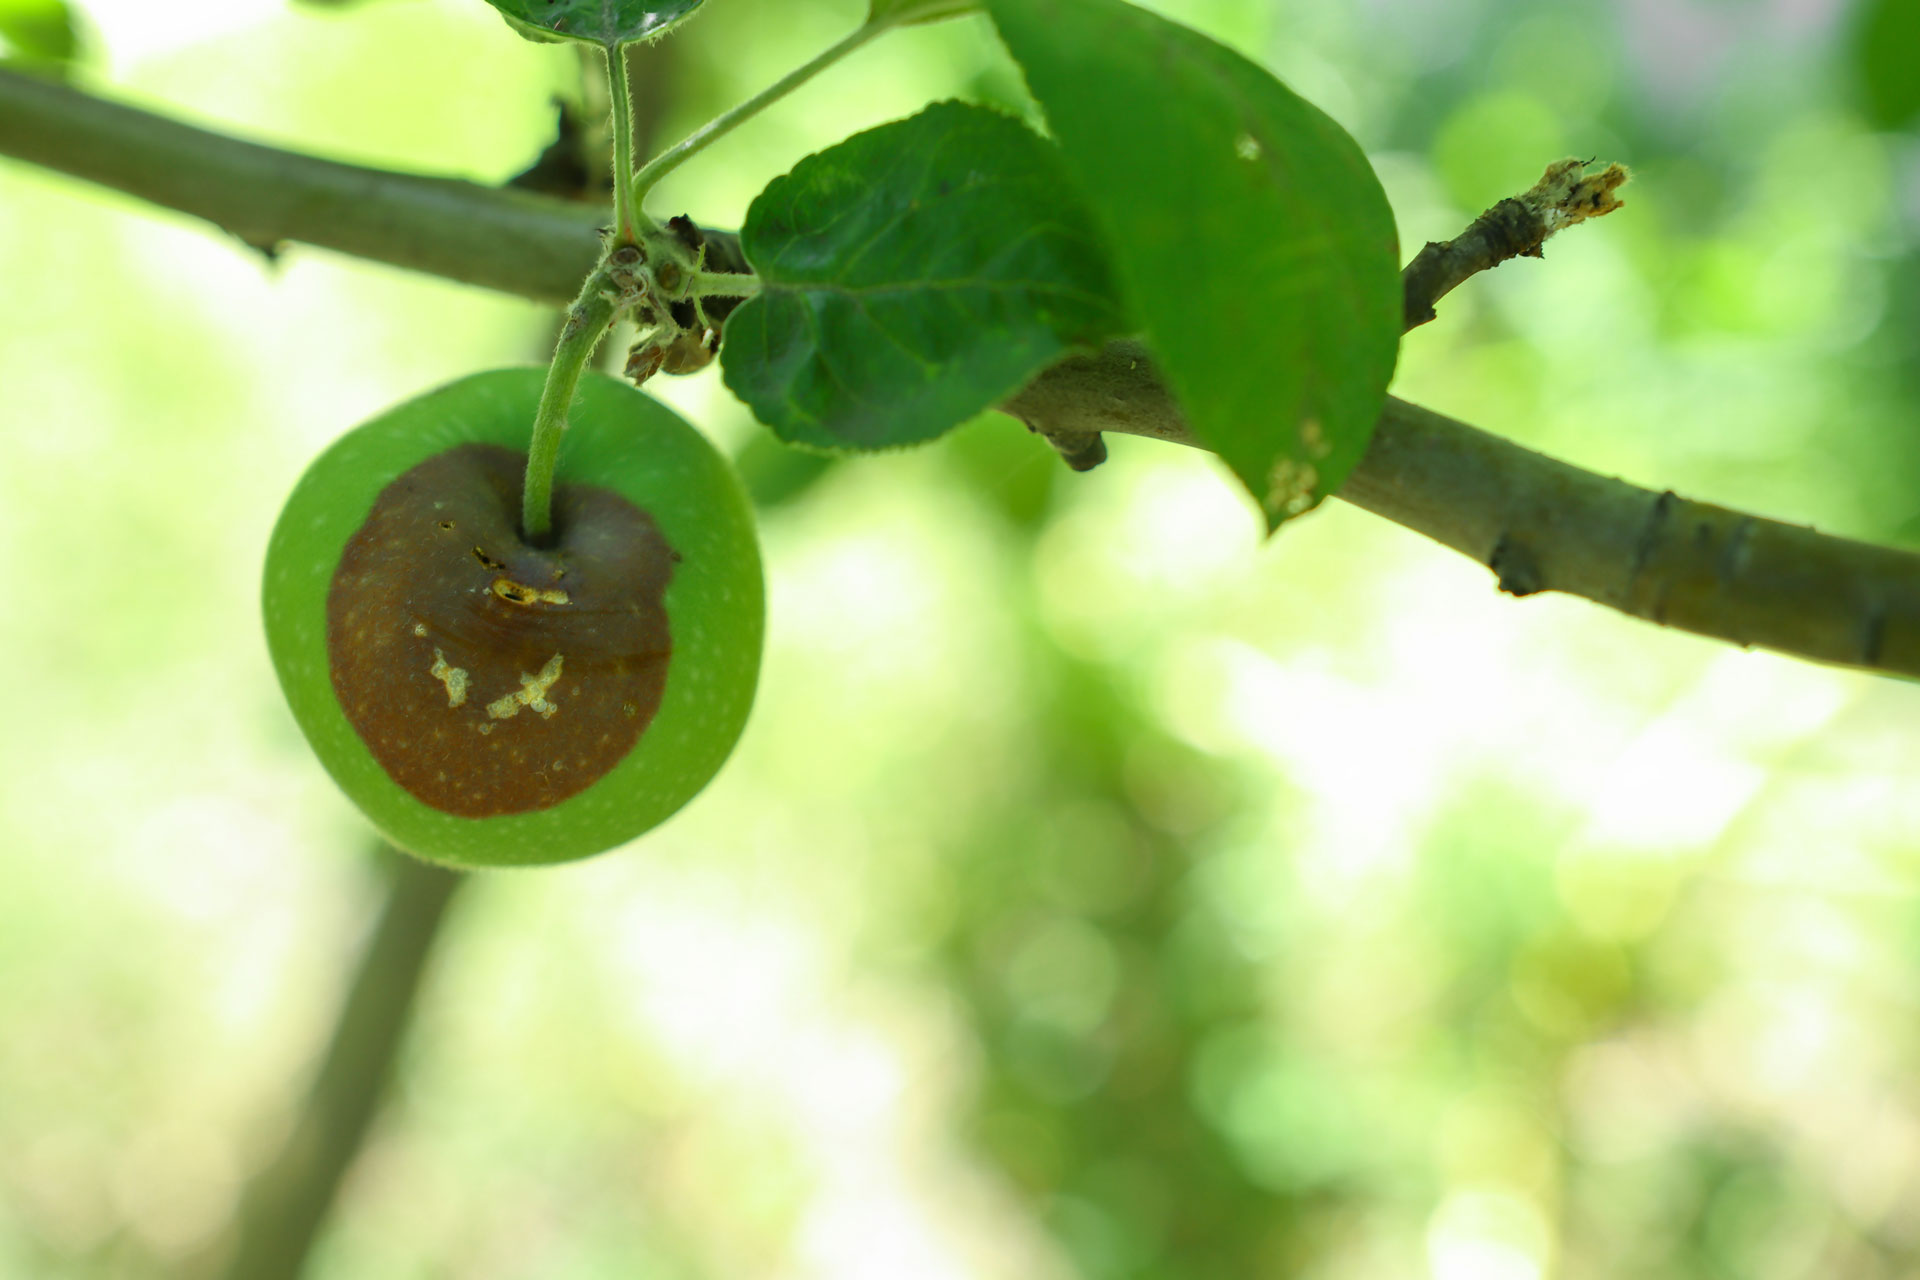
(489, 702)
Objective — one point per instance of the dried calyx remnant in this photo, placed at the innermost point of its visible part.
(678, 335)
(488, 676)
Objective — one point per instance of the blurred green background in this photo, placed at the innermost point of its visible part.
(1098, 891)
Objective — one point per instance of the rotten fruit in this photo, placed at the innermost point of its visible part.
(488, 700)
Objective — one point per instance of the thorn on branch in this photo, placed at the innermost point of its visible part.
(270, 250)
(1515, 566)
(1081, 451)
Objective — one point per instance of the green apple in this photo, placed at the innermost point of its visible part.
(488, 702)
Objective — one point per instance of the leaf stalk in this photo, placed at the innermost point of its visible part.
(722, 284)
(626, 219)
(720, 126)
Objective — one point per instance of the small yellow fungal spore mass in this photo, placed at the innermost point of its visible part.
(455, 678)
(532, 693)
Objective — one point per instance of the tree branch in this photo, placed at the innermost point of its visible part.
(1541, 525)
(508, 240)
(1544, 525)
(1565, 195)
(285, 1203)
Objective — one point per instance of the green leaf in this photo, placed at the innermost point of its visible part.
(911, 277)
(39, 31)
(903, 12)
(1886, 47)
(1249, 233)
(606, 22)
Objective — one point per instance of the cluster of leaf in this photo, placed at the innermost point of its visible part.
(922, 272)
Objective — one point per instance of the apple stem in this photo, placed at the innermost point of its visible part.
(588, 320)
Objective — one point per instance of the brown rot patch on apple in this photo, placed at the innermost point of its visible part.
(443, 625)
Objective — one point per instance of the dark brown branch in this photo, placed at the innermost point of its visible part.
(1541, 525)
(1514, 228)
(512, 241)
